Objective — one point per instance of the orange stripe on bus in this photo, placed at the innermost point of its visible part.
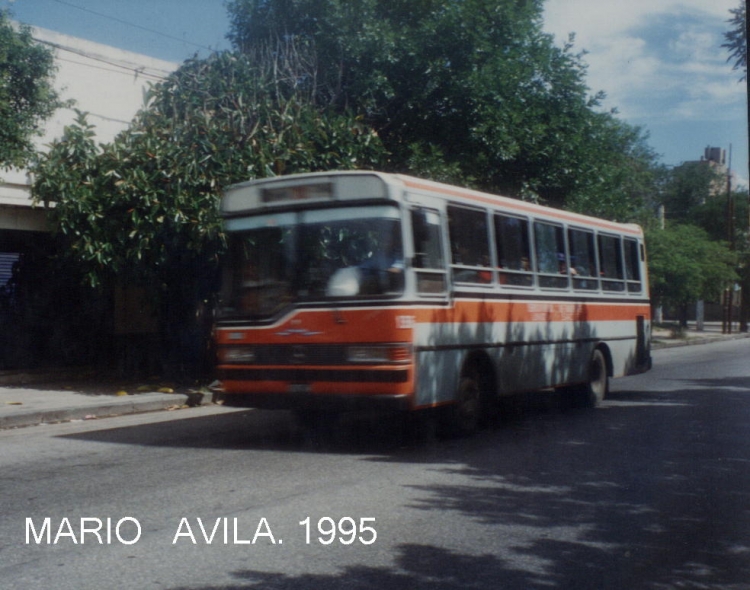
(498, 312)
(395, 324)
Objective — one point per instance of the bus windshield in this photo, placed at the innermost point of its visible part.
(277, 260)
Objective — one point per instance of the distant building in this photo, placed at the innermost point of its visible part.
(716, 159)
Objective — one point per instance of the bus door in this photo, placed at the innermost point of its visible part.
(436, 362)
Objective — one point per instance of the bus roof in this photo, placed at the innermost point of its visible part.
(321, 187)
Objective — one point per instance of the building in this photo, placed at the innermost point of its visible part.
(716, 159)
(107, 83)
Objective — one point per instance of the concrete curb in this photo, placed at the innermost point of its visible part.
(113, 407)
(660, 344)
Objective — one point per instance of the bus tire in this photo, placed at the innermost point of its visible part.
(464, 415)
(596, 388)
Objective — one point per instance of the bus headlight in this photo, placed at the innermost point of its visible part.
(238, 355)
(375, 354)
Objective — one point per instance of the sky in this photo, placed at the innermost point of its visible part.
(660, 62)
(662, 66)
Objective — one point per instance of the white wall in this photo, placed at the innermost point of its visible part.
(104, 81)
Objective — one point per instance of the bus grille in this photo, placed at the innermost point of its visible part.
(310, 375)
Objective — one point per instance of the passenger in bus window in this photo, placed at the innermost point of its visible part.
(562, 266)
(383, 272)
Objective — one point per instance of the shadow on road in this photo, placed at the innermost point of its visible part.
(417, 567)
(652, 490)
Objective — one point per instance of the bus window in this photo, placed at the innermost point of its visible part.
(428, 251)
(469, 245)
(610, 259)
(632, 265)
(282, 259)
(551, 261)
(513, 252)
(583, 259)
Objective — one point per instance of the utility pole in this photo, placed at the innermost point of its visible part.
(745, 280)
(729, 293)
(745, 266)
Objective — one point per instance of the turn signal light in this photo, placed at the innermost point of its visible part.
(379, 354)
(238, 355)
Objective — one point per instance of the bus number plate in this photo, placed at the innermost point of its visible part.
(299, 388)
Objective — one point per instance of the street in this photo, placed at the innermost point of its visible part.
(649, 491)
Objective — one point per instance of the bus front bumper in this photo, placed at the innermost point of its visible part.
(314, 401)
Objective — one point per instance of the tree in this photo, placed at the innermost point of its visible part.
(736, 38)
(622, 175)
(27, 97)
(474, 91)
(685, 265)
(691, 188)
(143, 209)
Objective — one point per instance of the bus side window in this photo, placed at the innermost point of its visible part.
(470, 250)
(583, 259)
(633, 265)
(428, 251)
(551, 259)
(513, 251)
(610, 260)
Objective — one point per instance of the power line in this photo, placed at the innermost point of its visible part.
(137, 70)
(103, 69)
(124, 22)
(105, 118)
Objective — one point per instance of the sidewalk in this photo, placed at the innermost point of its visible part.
(662, 337)
(28, 399)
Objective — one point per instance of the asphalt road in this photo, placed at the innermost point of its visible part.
(651, 490)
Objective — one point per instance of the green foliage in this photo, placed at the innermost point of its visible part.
(685, 265)
(689, 188)
(736, 38)
(621, 177)
(472, 92)
(26, 94)
(142, 210)
(145, 206)
(712, 216)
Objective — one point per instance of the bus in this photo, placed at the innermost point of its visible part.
(359, 289)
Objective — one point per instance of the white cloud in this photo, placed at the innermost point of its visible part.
(645, 52)
(661, 64)
(599, 20)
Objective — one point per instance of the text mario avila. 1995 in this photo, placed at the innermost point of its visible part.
(220, 531)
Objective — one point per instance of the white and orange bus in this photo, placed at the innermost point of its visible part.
(349, 289)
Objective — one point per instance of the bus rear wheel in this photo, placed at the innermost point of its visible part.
(463, 417)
